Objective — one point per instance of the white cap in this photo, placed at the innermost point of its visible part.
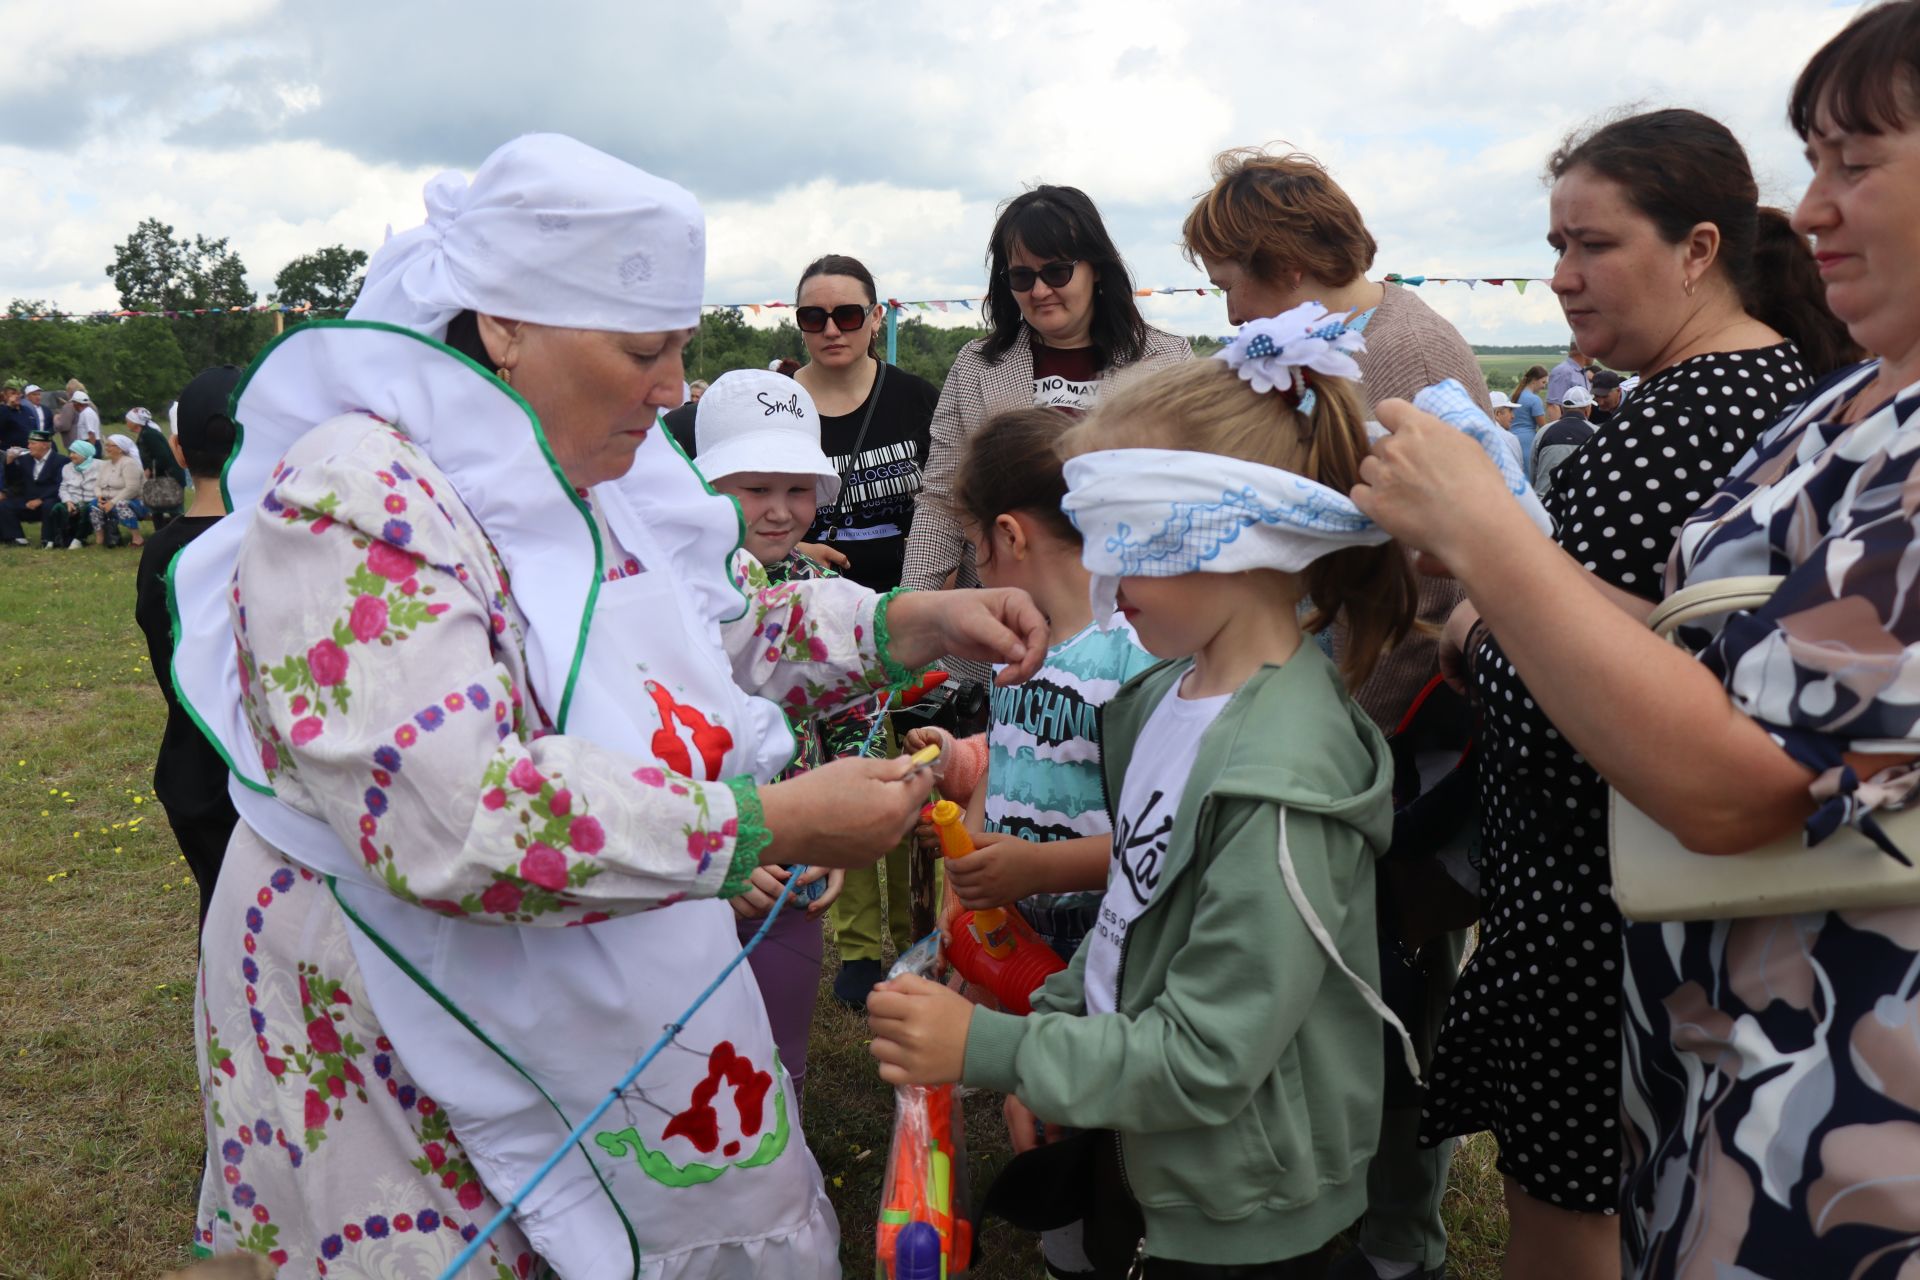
(81, 397)
(31, 388)
(1577, 397)
(1500, 400)
(755, 420)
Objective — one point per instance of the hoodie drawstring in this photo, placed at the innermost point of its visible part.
(1321, 936)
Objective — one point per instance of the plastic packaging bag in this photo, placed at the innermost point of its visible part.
(923, 1232)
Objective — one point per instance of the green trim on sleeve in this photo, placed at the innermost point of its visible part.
(751, 836)
(898, 677)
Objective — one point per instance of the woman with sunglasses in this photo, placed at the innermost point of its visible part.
(1061, 306)
(874, 421)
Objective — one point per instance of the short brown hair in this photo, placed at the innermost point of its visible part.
(1279, 213)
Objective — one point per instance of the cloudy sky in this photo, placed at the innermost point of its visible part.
(885, 130)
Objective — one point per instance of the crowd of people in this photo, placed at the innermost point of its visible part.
(59, 474)
(426, 712)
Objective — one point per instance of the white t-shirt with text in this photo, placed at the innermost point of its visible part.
(1149, 794)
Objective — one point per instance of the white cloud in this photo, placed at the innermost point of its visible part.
(887, 131)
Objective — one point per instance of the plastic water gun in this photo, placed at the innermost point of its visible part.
(995, 948)
(923, 1234)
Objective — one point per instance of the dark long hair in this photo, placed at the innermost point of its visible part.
(1057, 223)
(839, 264)
(1681, 168)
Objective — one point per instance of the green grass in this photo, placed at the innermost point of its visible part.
(100, 1137)
(1503, 371)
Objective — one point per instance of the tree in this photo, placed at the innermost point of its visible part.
(326, 279)
(156, 272)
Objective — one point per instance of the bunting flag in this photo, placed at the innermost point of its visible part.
(893, 305)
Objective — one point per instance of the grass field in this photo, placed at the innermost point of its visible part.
(100, 1138)
(1503, 371)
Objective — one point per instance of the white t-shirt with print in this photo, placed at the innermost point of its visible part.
(1143, 821)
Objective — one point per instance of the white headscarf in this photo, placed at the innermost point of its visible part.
(550, 231)
(126, 446)
(1160, 513)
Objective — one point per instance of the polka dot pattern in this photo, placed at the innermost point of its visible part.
(1530, 1048)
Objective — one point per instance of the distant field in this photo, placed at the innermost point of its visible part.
(1504, 370)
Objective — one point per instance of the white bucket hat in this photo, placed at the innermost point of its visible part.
(754, 420)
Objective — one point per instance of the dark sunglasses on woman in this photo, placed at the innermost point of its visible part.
(846, 317)
(1056, 274)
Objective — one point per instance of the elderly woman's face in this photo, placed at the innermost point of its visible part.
(1863, 211)
(114, 453)
(597, 394)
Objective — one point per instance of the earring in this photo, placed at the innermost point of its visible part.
(506, 375)
(1687, 285)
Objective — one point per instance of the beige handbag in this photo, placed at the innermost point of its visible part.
(1655, 878)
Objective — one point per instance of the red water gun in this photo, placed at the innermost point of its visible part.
(996, 948)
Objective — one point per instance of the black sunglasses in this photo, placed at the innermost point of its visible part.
(846, 317)
(1056, 274)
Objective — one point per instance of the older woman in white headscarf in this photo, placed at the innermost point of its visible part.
(117, 509)
(476, 647)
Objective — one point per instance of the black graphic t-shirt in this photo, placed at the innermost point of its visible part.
(1066, 378)
(869, 523)
(1143, 822)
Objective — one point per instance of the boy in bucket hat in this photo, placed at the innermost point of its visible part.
(757, 440)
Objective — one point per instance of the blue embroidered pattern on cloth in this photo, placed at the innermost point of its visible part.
(1194, 532)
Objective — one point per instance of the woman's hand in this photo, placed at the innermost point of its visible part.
(999, 625)
(846, 813)
(1435, 490)
(919, 1031)
(1453, 645)
(1000, 870)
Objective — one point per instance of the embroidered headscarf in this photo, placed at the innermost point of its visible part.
(550, 231)
(1160, 513)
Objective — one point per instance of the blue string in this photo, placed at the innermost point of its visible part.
(673, 1029)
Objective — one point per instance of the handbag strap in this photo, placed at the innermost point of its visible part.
(859, 438)
(1705, 599)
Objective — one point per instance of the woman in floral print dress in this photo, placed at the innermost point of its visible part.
(1771, 1081)
(484, 659)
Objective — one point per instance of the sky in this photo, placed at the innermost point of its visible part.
(888, 131)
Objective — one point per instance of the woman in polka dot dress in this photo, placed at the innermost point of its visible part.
(1667, 266)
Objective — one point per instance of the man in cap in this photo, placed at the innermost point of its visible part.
(32, 483)
(1503, 408)
(1563, 438)
(86, 421)
(1607, 394)
(39, 417)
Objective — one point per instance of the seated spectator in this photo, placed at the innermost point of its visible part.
(189, 776)
(75, 507)
(117, 503)
(31, 490)
(1563, 437)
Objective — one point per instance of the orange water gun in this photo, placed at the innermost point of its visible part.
(996, 948)
(919, 1185)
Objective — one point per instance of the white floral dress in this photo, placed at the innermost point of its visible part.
(384, 665)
